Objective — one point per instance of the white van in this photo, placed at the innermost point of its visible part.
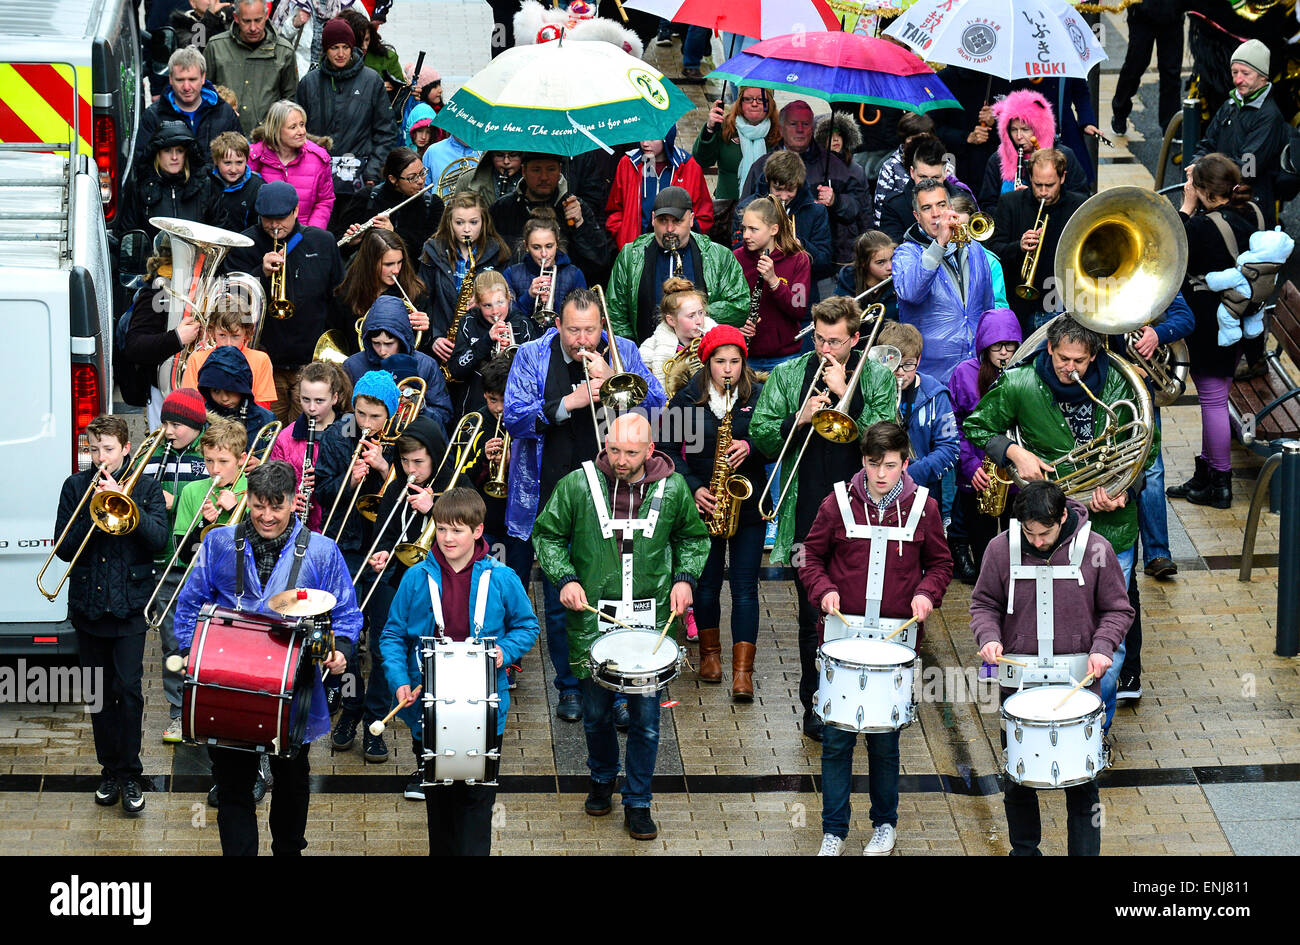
(56, 284)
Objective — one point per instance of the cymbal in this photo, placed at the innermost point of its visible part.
(302, 602)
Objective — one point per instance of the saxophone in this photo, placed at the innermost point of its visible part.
(462, 306)
(729, 490)
(993, 500)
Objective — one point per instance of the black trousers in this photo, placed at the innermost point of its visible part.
(1167, 39)
(808, 615)
(460, 818)
(120, 661)
(1133, 639)
(234, 771)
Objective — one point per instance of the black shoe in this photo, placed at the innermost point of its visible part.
(690, 77)
(812, 725)
(1128, 688)
(1119, 125)
(638, 823)
(1249, 371)
(376, 752)
(1162, 569)
(622, 720)
(345, 732)
(963, 563)
(1218, 492)
(415, 787)
(259, 790)
(212, 796)
(264, 770)
(333, 699)
(132, 796)
(570, 708)
(1200, 481)
(598, 801)
(108, 792)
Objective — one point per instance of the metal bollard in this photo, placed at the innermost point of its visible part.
(1191, 132)
(1288, 559)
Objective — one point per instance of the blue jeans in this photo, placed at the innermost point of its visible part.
(948, 492)
(1110, 681)
(695, 46)
(746, 548)
(1153, 520)
(837, 778)
(602, 741)
(557, 637)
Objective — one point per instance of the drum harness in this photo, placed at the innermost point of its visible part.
(629, 527)
(1046, 668)
(480, 606)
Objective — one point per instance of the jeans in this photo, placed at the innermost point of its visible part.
(234, 770)
(602, 741)
(1153, 520)
(1110, 681)
(837, 778)
(746, 548)
(695, 46)
(460, 818)
(947, 494)
(173, 680)
(557, 637)
(117, 725)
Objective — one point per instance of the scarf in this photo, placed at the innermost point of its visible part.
(718, 403)
(1252, 99)
(753, 145)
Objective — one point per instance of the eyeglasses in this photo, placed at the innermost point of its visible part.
(751, 100)
(834, 345)
(1004, 346)
(905, 366)
(412, 178)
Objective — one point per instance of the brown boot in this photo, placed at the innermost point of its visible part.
(742, 672)
(710, 654)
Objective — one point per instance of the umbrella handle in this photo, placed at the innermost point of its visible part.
(617, 3)
(862, 116)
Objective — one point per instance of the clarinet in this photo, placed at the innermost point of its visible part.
(308, 465)
(756, 298)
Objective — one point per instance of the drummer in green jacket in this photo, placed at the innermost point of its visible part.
(621, 534)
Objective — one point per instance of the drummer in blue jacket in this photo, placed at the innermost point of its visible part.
(241, 567)
(475, 596)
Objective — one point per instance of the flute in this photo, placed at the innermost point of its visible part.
(365, 227)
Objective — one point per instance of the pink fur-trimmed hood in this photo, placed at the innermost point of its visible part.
(1031, 108)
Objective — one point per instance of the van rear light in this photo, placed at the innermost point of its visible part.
(106, 161)
(85, 407)
(45, 639)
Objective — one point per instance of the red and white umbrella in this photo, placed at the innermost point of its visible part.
(758, 18)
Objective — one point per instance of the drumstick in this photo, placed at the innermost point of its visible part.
(838, 614)
(902, 628)
(377, 727)
(1082, 682)
(605, 616)
(671, 617)
(1003, 659)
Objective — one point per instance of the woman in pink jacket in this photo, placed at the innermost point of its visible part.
(284, 153)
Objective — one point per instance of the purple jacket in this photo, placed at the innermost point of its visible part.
(998, 324)
(309, 174)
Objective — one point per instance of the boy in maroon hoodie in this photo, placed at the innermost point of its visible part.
(881, 504)
(1090, 615)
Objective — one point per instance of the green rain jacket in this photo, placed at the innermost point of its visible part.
(723, 277)
(774, 417)
(569, 547)
(1021, 398)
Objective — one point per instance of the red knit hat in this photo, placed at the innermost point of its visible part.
(718, 336)
(338, 32)
(185, 405)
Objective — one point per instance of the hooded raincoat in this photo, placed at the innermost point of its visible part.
(389, 314)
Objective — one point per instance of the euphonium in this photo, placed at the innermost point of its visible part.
(279, 305)
(729, 490)
(498, 469)
(993, 500)
(463, 303)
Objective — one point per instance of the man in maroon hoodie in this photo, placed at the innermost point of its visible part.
(875, 549)
(1090, 615)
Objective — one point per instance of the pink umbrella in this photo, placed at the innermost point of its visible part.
(757, 18)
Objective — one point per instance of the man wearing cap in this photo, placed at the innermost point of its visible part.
(314, 270)
(636, 285)
(347, 102)
(1249, 127)
(252, 60)
(543, 185)
(190, 98)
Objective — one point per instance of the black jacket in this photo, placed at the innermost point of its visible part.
(1254, 137)
(474, 347)
(150, 194)
(1015, 214)
(414, 223)
(315, 270)
(1208, 252)
(238, 200)
(439, 277)
(149, 341)
(212, 117)
(590, 247)
(115, 574)
(333, 464)
(351, 106)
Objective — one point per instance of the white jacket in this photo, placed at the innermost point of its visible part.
(662, 345)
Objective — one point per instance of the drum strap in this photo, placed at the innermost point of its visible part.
(1043, 577)
(880, 537)
(435, 604)
(480, 604)
(241, 542)
(628, 526)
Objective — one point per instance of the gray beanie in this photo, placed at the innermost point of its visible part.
(1255, 54)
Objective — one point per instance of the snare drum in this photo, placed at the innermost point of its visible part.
(1049, 747)
(622, 660)
(248, 684)
(460, 711)
(866, 685)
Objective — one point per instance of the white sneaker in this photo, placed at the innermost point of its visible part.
(172, 733)
(831, 845)
(882, 841)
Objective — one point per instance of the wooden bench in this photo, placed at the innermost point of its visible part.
(1264, 410)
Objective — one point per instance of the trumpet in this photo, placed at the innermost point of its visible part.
(364, 228)
(979, 229)
(508, 346)
(411, 553)
(269, 432)
(496, 485)
(279, 306)
(544, 312)
(113, 512)
(1029, 268)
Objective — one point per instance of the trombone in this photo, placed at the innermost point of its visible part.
(112, 511)
(833, 423)
(269, 433)
(1029, 268)
(279, 306)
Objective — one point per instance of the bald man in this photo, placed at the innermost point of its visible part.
(621, 534)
